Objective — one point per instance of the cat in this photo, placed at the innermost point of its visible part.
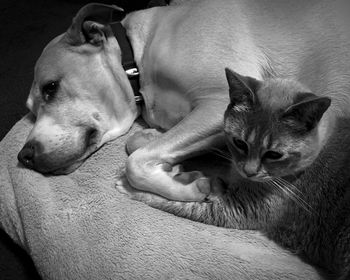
(289, 175)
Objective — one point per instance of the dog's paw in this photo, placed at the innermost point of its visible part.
(218, 189)
(194, 177)
(214, 188)
(124, 187)
(190, 179)
(204, 185)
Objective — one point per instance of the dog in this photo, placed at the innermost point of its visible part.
(82, 96)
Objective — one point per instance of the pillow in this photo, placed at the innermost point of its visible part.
(78, 226)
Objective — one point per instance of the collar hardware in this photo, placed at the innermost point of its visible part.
(132, 72)
(128, 61)
(138, 99)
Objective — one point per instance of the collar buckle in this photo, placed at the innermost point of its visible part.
(132, 72)
(138, 99)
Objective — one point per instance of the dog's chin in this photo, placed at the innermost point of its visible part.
(67, 169)
(73, 165)
(53, 164)
(55, 170)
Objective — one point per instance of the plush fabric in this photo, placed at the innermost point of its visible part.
(78, 226)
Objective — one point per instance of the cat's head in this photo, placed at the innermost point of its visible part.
(274, 127)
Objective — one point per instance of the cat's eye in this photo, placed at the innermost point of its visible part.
(49, 90)
(240, 144)
(272, 155)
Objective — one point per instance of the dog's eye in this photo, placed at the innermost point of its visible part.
(49, 90)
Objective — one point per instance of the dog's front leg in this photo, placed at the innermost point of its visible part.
(150, 168)
(227, 206)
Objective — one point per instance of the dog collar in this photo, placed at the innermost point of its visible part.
(128, 61)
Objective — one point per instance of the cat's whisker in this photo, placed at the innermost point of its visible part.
(214, 149)
(299, 200)
(271, 184)
(284, 190)
(220, 153)
(279, 188)
(285, 182)
(287, 185)
(303, 202)
(292, 188)
(284, 186)
(296, 198)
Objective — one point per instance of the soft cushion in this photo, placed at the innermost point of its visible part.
(78, 226)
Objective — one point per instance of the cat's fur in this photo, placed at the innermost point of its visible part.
(309, 213)
(277, 117)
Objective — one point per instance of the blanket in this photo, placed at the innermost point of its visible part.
(78, 226)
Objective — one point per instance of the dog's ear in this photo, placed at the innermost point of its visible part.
(91, 23)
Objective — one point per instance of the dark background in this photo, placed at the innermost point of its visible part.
(26, 26)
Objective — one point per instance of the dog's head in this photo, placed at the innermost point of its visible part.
(80, 95)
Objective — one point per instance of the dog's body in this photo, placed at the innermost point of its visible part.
(181, 52)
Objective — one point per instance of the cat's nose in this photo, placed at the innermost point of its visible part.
(250, 169)
(250, 174)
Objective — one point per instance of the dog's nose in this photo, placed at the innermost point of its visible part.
(26, 155)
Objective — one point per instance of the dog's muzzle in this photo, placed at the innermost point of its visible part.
(27, 155)
(63, 160)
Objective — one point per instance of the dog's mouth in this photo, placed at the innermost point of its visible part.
(65, 170)
(91, 138)
(91, 148)
(63, 160)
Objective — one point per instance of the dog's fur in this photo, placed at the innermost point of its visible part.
(181, 52)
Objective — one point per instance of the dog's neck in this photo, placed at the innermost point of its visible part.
(128, 61)
(140, 26)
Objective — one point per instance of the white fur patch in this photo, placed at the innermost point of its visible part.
(251, 137)
(266, 141)
(241, 108)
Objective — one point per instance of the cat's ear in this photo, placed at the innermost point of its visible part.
(242, 88)
(306, 114)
